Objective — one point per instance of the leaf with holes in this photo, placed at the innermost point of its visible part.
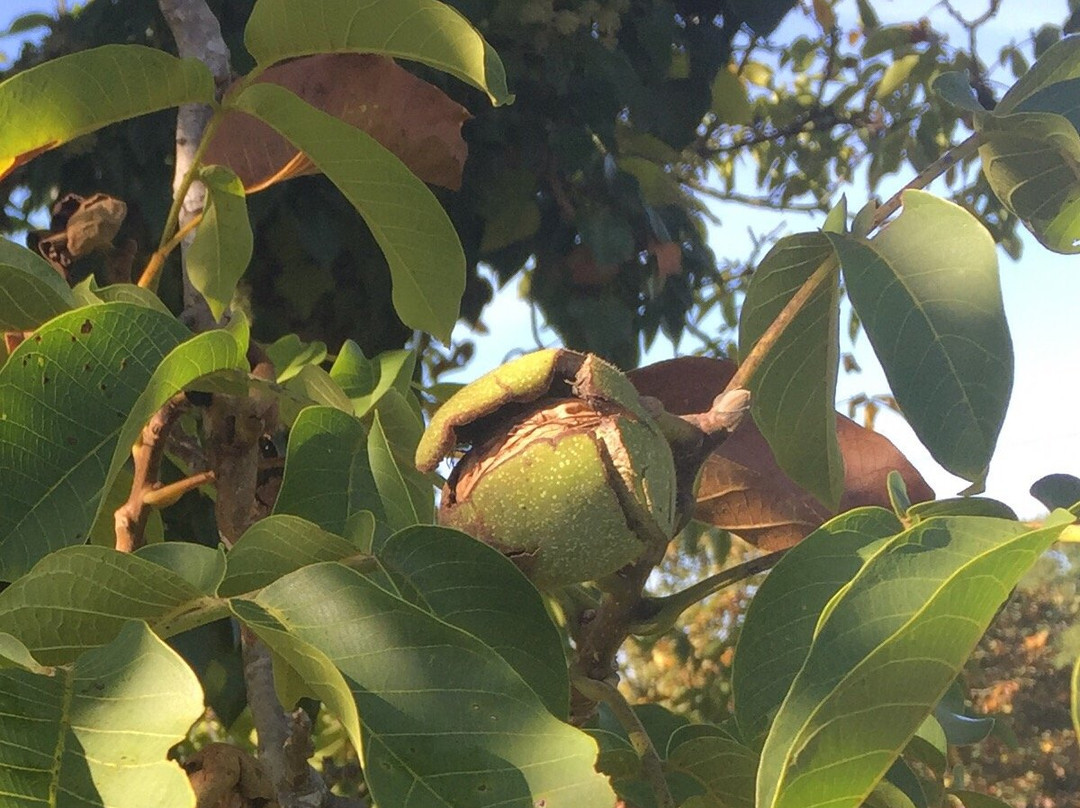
(70, 96)
(65, 395)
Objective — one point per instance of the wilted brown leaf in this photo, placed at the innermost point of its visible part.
(413, 119)
(743, 489)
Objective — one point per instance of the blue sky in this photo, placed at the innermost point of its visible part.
(1042, 431)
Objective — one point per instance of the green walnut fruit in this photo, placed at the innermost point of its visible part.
(568, 473)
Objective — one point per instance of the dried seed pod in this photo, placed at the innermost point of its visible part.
(568, 473)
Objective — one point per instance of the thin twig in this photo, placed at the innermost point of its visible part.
(787, 315)
(639, 739)
(157, 260)
(165, 495)
(946, 161)
(748, 367)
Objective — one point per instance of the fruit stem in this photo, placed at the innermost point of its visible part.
(650, 759)
(660, 614)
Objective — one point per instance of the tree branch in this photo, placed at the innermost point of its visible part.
(130, 518)
(198, 35)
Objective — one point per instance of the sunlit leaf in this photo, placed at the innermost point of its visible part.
(98, 733)
(887, 647)
(794, 389)
(328, 477)
(223, 242)
(455, 725)
(407, 496)
(455, 577)
(71, 95)
(65, 395)
(426, 31)
(274, 547)
(782, 617)
(1032, 162)
(928, 295)
(31, 291)
(427, 265)
(79, 598)
(1060, 62)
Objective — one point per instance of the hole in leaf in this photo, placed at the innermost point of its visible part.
(86, 327)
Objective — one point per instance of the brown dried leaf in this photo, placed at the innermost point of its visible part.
(78, 227)
(223, 776)
(413, 119)
(742, 488)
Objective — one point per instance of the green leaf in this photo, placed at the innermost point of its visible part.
(204, 354)
(70, 96)
(455, 577)
(893, 640)
(312, 385)
(895, 75)
(301, 665)
(961, 506)
(14, 654)
(427, 265)
(407, 496)
(28, 22)
(729, 101)
(794, 389)
(328, 477)
(88, 293)
(80, 597)
(290, 354)
(366, 381)
(454, 724)
(973, 799)
(221, 250)
(31, 291)
(1032, 162)
(1058, 63)
(202, 567)
(99, 732)
(836, 220)
(783, 615)
(723, 768)
(956, 89)
(421, 30)
(1057, 490)
(274, 547)
(928, 295)
(65, 395)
